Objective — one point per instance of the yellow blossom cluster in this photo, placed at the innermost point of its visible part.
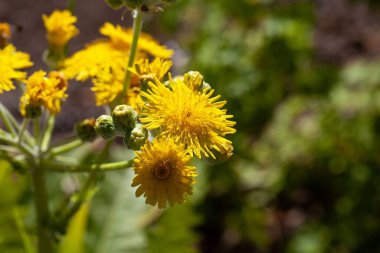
(44, 91)
(104, 61)
(188, 121)
(182, 115)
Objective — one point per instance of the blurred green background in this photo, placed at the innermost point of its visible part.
(302, 79)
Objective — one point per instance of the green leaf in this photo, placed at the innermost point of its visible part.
(74, 238)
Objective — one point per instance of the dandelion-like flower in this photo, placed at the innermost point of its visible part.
(10, 61)
(195, 119)
(105, 54)
(60, 27)
(162, 173)
(121, 38)
(44, 91)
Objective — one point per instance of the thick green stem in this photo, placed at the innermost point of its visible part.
(42, 210)
(137, 25)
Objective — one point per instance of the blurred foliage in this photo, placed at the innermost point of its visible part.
(304, 177)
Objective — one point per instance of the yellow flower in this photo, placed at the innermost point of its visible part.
(109, 83)
(60, 27)
(10, 61)
(162, 174)
(5, 34)
(105, 54)
(44, 91)
(121, 38)
(192, 118)
(157, 68)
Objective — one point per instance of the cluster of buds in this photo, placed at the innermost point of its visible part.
(122, 122)
(143, 5)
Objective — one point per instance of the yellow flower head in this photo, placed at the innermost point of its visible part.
(44, 91)
(103, 55)
(10, 61)
(147, 71)
(5, 34)
(162, 174)
(121, 38)
(60, 27)
(192, 118)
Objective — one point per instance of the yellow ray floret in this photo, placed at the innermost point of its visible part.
(44, 91)
(157, 68)
(162, 173)
(108, 84)
(194, 119)
(60, 27)
(10, 61)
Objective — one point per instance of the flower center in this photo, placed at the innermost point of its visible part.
(162, 171)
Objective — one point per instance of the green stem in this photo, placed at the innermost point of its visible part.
(58, 167)
(24, 125)
(66, 147)
(71, 5)
(137, 25)
(6, 121)
(47, 133)
(42, 210)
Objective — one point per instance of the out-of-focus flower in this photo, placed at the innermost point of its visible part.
(192, 118)
(162, 173)
(5, 34)
(60, 27)
(105, 54)
(44, 91)
(109, 83)
(10, 61)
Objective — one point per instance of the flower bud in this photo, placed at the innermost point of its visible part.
(115, 4)
(225, 153)
(5, 34)
(32, 111)
(124, 118)
(85, 130)
(105, 127)
(193, 79)
(136, 138)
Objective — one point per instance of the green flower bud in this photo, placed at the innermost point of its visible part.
(124, 118)
(85, 130)
(105, 127)
(193, 79)
(115, 4)
(136, 138)
(225, 153)
(32, 111)
(134, 4)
